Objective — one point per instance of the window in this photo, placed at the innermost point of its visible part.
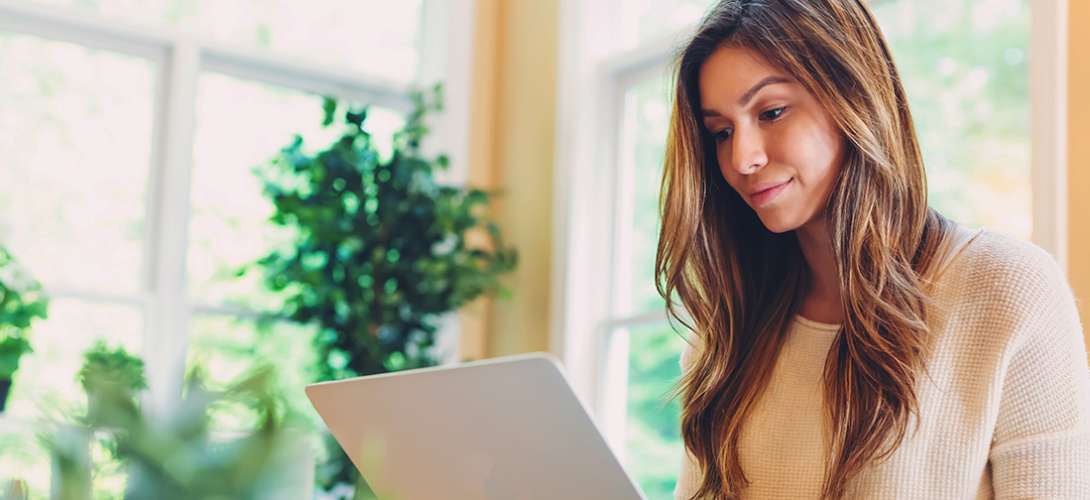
(969, 94)
(970, 90)
(131, 130)
(240, 124)
(368, 37)
(619, 350)
(642, 346)
(73, 194)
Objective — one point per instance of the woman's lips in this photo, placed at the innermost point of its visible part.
(764, 197)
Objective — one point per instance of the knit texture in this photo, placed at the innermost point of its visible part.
(1005, 412)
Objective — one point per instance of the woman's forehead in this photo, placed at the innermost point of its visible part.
(732, 75)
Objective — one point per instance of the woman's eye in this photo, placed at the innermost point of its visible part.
(773, 114)
(722, 135)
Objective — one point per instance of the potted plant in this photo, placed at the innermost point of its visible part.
(382, 251)
(21, 303)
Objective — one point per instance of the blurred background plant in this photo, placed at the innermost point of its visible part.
(21, 303)
(108, 372)
(177, 455)
(381, 249)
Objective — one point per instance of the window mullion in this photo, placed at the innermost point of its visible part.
(166, 330)
(1048, 125)
(587, 118)
(635, 321)
(446, 50)
(89, 31)
(306, 76)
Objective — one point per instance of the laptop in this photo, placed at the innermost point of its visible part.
(508, 428)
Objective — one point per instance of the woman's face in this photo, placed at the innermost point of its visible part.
(770, 132)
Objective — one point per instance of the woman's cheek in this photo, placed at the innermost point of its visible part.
(726, 172)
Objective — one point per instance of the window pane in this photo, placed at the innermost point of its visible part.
(652, 448)
(377, 37)
(226, 347)
(46, 379)
(643, 135)
(45, 387)
(23, 457)
(241, 124)
(967, 78)
(76, 133)
(643, 20)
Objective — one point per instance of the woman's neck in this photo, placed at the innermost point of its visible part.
(821, 300)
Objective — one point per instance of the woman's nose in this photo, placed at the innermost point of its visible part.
(747, 151)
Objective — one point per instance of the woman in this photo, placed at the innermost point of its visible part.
(848, 340)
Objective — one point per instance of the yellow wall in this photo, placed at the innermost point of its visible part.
(476, 319)
(513, 108)
(1078, 151)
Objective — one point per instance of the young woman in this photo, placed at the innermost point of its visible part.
(848, 340)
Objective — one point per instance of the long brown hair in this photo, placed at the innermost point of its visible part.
(740, 283)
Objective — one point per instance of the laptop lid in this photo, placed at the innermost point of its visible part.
(507, 428)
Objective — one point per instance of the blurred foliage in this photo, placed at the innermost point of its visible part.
(382, 249)
(652, 430)
(176, 455)
(14, 490)
(21, 303)
(106, 372)
(12, 348)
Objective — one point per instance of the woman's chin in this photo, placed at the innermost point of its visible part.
(778, 224)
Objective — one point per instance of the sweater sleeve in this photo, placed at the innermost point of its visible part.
(1041, 443)
(688, 480)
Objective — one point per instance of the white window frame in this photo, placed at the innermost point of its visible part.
(446, 49)
(593, 75)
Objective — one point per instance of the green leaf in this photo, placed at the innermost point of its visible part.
(22, 302)
(329, 108)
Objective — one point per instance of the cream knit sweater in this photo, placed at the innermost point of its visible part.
(1005, 414)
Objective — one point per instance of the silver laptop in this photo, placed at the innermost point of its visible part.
(508, 428)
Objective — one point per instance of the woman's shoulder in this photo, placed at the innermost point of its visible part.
(1002, 293)
(692, 344)
(995, 255)
(1005, 271)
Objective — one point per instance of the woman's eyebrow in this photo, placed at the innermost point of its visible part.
(748, 95)
(768, 80)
